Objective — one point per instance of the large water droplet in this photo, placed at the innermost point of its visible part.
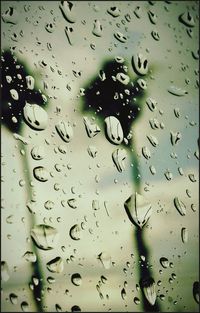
(44, 236)
(65, 130)
(184, 235)
(138, 209)
(92, 129)
(114, 131)
(35, 116)
(149, 289)
(30, 256)
(13, 298)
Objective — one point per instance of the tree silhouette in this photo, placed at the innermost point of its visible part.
(107, 96)
(14, 74)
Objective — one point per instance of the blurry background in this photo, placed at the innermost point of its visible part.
(55, 64)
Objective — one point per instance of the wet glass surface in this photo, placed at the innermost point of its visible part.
(100, 156)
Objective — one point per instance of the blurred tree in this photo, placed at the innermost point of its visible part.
(14, 75)
(114, 93)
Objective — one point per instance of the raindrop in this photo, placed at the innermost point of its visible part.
(105, 259)
(146, 152)
(140, 64)
(49, 205)
(30, 256)
(192, 178)
(164, 262)
(153, 140)
(175, 137)
(56, 265)
(75, 232)
(44, 236)
(66, 9)
(58, 308)
(14, 94)
(138, 209)
(10, 16)
(41, 173)
(120, 37)
(5, 275)
(180, 206)
(76, 279)
(123, 294)
(72, 203)
(35, 116)
(136, 300)
(25, 306)
(196, 291)
(152, 16)
(92, 151)
(119, 156)
(155, 35)
(64, 130)
(75, 308)
(38, 152)
(149, 289)
(114, 11)
(13, 298)
(177, 91)
(114, 132)
(187, 19)
(184, 235)
(91, 128)
(97, 30)
(30, 82)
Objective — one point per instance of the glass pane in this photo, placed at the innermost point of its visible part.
(100, 156)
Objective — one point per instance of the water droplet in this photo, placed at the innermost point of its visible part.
(38, 152)
(175, 137)
(44, 236)
(140, 64)
(92, 151)
(50, 27)
(149, 289)
(13, 298)
(14, 94)
(72, 203)
(75, 308)
(187, 19)
(75, 232)
(35, 116)
(30, 256)
(76, 279)
(41, 173)
(10, 16)
(146, 152)
(30, 82)
(138, 12)
(177, 91)
(103, 279)
(66, 9)
(153, 140)
(152, 17)
(155, 35)
(192, 178)
(114, 11)
(114, 132)
(184, 235)
(56, 265)
(164, 262)
(97, 30)
(136, 300)
(180, 206)
(152, 169)
(168, 175)
(120, 37)
(5, 273)
(58, 308)
(25, 306)
(123, 294)
(65, 131)
(49, 205)
(119, 156)
(138, 209)
(92, 129)
(196, 291)
(105, 259)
